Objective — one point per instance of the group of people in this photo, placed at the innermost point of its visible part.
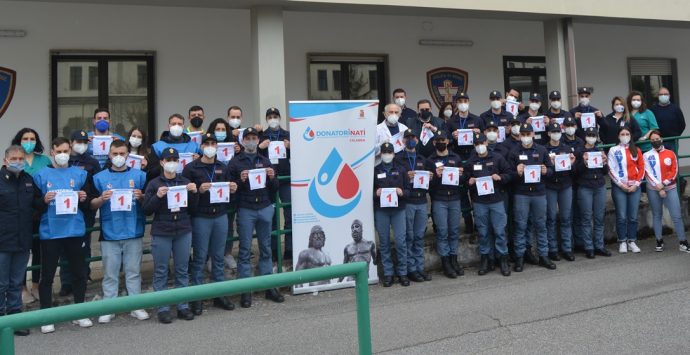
(535, 170)
(195, 183)
(539, 164)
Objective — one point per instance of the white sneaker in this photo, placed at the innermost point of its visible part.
(230, 262)
(684, 247)
(84, 323)
(106, 318)
(623, 248)
(139, 314)
(45, 329)
(633, 247)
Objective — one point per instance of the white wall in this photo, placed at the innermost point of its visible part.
(602, 52)
(202, 55)
(398, 37)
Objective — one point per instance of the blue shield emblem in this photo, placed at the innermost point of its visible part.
(8, 81)
(445, 84)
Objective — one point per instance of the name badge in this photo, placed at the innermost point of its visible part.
(523, 157)
(381, 176)
(477, 167)
(439, 164)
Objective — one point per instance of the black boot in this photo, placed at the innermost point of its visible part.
(519, 264)
(246, 300)
(456, 266)
(492, 263)
(505, 267)
(547, 263)
(21, 332)
(197, 308)
(274, 295)
(530, 258)
(483, 265)
(448, 268)
(469, 225)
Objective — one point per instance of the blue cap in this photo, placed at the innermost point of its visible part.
(170, 153)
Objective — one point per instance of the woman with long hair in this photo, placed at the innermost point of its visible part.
(645, 118)
(619, 117)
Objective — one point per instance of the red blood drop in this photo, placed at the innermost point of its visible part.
(348, 184)
(311, 133)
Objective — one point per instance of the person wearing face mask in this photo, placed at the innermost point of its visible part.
(669, 117)
(391, 174)
(137, 144)
(196, 119)
(512, 140)
(275, 133)
(416, 207)
(514, 95)
(626, 169)
(171, 230)
(496, 111)
(591, 196)
(463, 120)
(174, 137)
(122, 231)
(255, 211)
(530, 197)
(209, 221)
(63, 232)
(102, 124)
(556, 113)
(18, 202)
(400, 99)
(224, 132)
(645, 118)
(389, 130)
(81, 159)
(611, 124)
(559, 197)
(491, 133)
(533, 110)
(585, 95)
(425, 120)
(446, 111)
(489, 209)
(575, 143)
(445, 209)
(661, 168)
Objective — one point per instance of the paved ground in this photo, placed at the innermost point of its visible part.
(634, 304)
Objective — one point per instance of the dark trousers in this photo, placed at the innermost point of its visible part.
(50, 254)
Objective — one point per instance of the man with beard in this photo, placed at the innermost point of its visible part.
(314, 256)
(359, 249)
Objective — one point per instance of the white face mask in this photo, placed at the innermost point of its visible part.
(400, 101)
(496, 104)
(448, 113)
(61, 159)
(170, 167)
(176, 130)
(624, 139)
(570, 130)
(273, 123)
(492, 136)
(234, 122)
(556, 105)
(584, 101)
(387, 158)
(555, 136)
(464, 107)
(210, 152)
(664, 99)
(480, 148)
(635, 104)
(534, 106)
(511, 98)
(526, 140)
(591, 140)
(118, 161)
(79, 148)
(392, 119)
(619, 108)
(135, 141)
(515, 130)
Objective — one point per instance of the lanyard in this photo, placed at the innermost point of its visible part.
(463, 121)
(212, 174)
(412, 160)
(271, 136)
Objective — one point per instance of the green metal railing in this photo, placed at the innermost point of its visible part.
(360, 270)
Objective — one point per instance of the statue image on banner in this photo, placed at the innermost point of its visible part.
(360, 249)
(314, 256)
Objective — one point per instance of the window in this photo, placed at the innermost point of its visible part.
(75, 78)
(122, 83)
(648, 75)
(373, 83)
(336, 80)
(323, 80)
(525, 74)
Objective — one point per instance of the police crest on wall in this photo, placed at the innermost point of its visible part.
(8, 81)
(445, 84)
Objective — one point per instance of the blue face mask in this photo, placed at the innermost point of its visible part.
(411, 143)
(29, 146)
(221, 135)
(16, 166)
(102, 126)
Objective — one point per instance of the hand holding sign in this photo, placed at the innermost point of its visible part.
(257, 179)
(538, 123)
(532, 174)
(512, 107)
(451, 176)
(594, 160)
(465, 137)
(485, 185)
(389, 197)
(177, 197)
(276, 151)
(562, 162)
(588, 120)
(121, 200)
(421, 179)
(66, 202)
(220, 192)
(426, 135)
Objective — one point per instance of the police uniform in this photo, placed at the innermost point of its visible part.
(591, 196)
(502, 118)
(557, 115)
(182, 144)
(445, 200)
(209, 224)
(416, 207)
(391, 175)
(583, 109)
(559, 198)
(489, 209)
(576, 144)
(530, 200)
(539, 137)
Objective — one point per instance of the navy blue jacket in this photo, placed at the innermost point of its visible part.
(503, 118)
(491, 164)
(470, 122)
(534, 155)
(608, 129)
(416, 125)
(92, 167)
(165, 222)
(586, 177)
(283, 166)
(539, 137)
(247, 198)
(19, 199)
(504, 148)
(582, 109)
(560, 179)
(412, 162)
(389, 176)
(670, 119)
(575, 144)
(437, 190)
(199, 173)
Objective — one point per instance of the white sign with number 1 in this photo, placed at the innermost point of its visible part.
(121, 200)
(220, 192)
(389, 197)
(421, 179)
(66, 202)
(257, 179)
(532, 174)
